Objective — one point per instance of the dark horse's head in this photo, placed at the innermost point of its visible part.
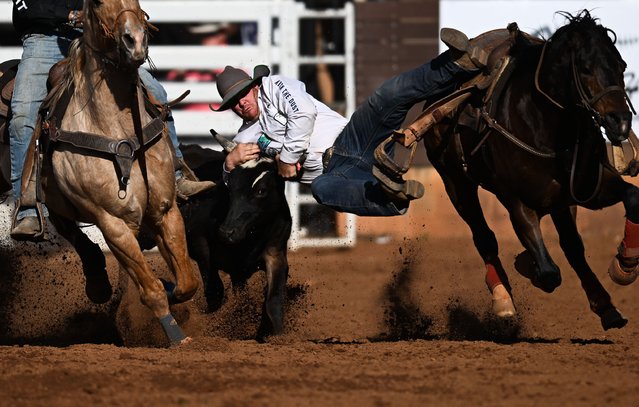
(118, 29)
(584, 70)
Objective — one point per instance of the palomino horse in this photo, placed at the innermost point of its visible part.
(538, 146)
(109, 161)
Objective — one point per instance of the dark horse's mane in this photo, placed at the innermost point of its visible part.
(572, 35)
(581, 27)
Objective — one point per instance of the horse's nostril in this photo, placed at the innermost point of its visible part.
(128, 40)
(618, 124)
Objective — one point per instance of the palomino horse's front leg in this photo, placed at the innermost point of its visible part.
(124, 246)
(171, 241)
(535, 263)
(573, 248)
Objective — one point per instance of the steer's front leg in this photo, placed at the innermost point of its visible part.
(276, 275)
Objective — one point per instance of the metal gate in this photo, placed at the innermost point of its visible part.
(276, 44)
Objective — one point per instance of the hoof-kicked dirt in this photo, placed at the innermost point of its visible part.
(392, 321)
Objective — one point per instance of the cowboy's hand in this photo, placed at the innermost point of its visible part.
(242, 153)
(286, 170)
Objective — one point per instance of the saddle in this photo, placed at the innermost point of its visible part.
(8, 71)
(491, 51)
(47, 134)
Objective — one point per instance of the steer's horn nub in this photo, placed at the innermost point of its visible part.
(226, 144)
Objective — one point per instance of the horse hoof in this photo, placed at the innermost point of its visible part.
(612, 318)
(548, 281)
(98, 289)
(619, 274)
(185, 341)
(503, 306)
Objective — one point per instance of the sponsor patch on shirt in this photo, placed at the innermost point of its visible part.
(280, 118)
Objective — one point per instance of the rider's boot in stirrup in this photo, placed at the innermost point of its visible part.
(29, 227)
(188, 184)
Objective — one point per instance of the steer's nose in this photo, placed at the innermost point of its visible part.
(226, 234)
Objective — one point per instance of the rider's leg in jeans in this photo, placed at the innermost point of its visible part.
(40, 53)
(348, 184)
(185, 186)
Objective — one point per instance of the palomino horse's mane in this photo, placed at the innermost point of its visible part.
(70, 74)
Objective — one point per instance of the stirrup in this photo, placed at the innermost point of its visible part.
(37, 236)
(389, 173)
(386, 162)
(398, 188)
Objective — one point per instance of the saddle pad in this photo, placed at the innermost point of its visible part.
(5, 99)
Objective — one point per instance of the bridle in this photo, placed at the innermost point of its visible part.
(584, 101)
(109, 32)
(140, 14)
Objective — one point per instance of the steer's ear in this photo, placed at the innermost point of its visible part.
(226, 144)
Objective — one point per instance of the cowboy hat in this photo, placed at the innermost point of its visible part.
(233, 82)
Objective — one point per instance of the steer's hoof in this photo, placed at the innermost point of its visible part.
(612, 318)
(620, 274)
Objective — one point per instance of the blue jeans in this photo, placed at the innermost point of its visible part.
(348, 185)
(40, 52)
(155, 88)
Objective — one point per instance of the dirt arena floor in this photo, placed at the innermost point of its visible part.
(393, 321)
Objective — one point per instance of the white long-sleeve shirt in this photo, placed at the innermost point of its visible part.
(292, 123)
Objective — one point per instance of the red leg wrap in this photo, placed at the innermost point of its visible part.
(631, 235)
(492, 278)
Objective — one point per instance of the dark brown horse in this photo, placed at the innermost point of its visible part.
(109, 160)
(538, 146)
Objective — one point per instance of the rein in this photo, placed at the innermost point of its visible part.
(573, 168)
(493, 124)
(586, 103)
(584, 100)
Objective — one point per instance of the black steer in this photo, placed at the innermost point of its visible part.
(239, 228)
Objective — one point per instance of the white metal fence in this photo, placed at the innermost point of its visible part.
(277, 44)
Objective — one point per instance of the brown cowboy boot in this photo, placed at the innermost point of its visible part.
(463, 52)
(187, 188)
(32, 227)
(188, 184)
(26, 228)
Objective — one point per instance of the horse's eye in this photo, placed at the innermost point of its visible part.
(97, 2)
